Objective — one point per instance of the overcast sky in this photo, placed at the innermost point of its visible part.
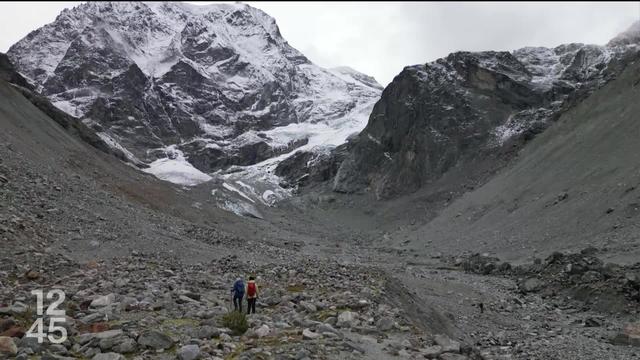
(380, 38)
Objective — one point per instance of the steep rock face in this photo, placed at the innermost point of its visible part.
(575, 185)
(70, 124)
(458, 110)
(204, 84)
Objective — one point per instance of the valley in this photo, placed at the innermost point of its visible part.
(481, 206)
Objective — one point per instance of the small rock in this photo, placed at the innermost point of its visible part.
(531, 285)
(7, 346)
(310, 335)
(303, 354)
(155, 340)
(105, 334)
(452, 356)
(404, 353)
(126, 346)
(447, 344)
(431, 352)
(29, 343)
(591, 322)
(385, 323)
(189, 352)
(262, 331)
(103, 300)
(58, 349)
(108, 356)
(207, 332)
(308, 307)
(327, 328)
(346, 319)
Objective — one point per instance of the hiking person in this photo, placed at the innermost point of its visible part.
(238, 293)
(252, 295)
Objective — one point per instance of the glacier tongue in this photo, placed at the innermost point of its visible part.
(259, 181)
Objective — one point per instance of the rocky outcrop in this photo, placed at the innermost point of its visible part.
(71, 124)
(457, 111)
(307, 167)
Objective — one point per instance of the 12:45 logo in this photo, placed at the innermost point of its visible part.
(55, 316)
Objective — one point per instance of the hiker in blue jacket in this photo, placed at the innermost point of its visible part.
(238, 293)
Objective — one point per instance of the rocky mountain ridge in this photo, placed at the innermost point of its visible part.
(459, 111)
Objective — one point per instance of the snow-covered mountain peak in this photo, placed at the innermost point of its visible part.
(191, 88)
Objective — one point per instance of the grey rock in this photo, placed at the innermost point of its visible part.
(327, 328)
(531, 285)
(451, 356)
(50, 356)
(207, 332)
(189, 352)
(431, 352)
(303, 354)
(108, 356)
(307, 334)
(125, 346)
(155, 340)
(447, 344)
(58, 349)
(385, 323)
(30, 343)
(262, 331)
(103, 300)
(346, 319)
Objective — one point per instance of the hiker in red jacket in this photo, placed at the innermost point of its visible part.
(252, 295)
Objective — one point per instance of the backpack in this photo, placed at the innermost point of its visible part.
(238, 287)
(251, 289)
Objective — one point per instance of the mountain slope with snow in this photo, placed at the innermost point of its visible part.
(191, 90)
(469, 111)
